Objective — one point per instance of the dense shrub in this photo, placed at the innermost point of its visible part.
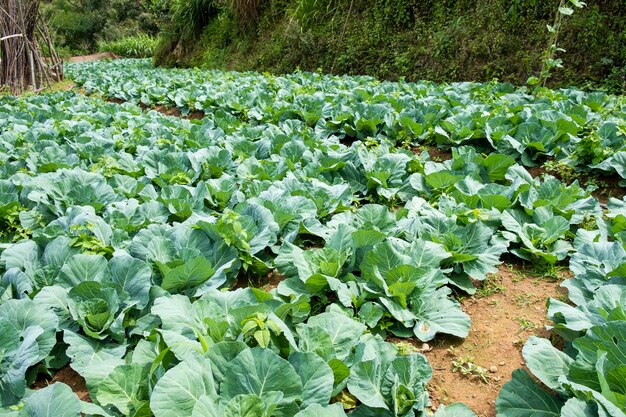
(79, 26)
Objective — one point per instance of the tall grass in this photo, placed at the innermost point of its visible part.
(307, 12)
(139, 46)
(189, 17)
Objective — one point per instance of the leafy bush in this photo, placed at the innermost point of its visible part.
(140, 46)
(78, 26)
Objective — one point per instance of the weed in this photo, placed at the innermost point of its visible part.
(452, 351)
(491, 285)
(563, 297)
(526, 325)
(562, 170)
(525, 300)
(589, 222)
(406, 348)
(519, 342)
(596, 184)
(469, 369)
(549, 272)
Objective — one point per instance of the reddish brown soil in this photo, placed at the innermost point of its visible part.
(495, 339)
(68, 376)
(272, 280)
(267, 283)
(436, 154)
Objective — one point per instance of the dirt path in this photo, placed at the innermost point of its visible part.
(509, 308)
(93, 57)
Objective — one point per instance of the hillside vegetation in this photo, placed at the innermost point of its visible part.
(449, 40)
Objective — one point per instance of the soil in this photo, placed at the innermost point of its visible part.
(436, 154)
(272, 280)
(495, 340)
(267, 283)
(68, 376)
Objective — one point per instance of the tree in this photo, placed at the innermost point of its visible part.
(27, 57)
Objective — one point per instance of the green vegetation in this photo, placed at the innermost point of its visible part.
(129, 239)
(139, 46)
(469, 369)
(389, 39)
(584, 131)
(79, 26)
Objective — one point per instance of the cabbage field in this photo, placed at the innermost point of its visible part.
(263, 260)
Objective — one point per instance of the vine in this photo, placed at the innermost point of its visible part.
(549, 59)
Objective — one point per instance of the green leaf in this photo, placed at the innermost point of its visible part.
(317, 410)
(371, 313)
(575, 407)
(454, 410)
(342, 330)
(189, 275)
(221, 354)
(27, 336)
(546, 362)
(523, 397)
(95, 307)
(177, 392)
(92, 359)
(259, 371)
(317, 377)
(82, 268)
(365, 383)
(436, 313)
(609, 338)
(133, 276)
(125, 388)
(244, 406)
(497, 165)
(56, 400)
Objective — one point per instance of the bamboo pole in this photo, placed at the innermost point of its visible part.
(31, 63)
(23, 63)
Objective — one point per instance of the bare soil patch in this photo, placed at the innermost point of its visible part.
(509, 308)
(436, 154)
(69, 377)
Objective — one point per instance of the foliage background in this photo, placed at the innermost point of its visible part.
(79, 25)
(443, 40)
